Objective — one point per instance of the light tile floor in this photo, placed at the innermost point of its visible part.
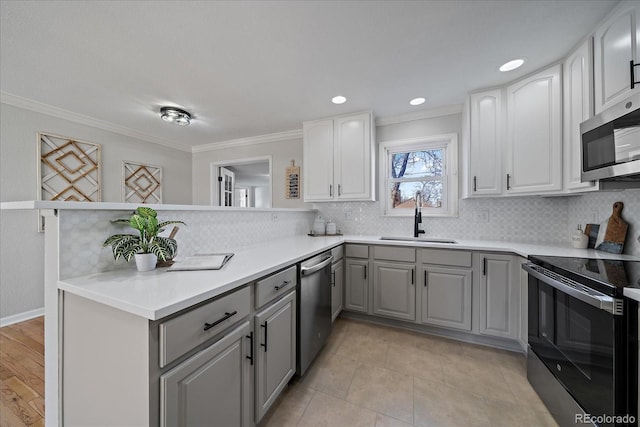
(376, 376)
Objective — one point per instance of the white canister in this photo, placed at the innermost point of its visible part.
(579, 240)
(331, 228)
(319, 226)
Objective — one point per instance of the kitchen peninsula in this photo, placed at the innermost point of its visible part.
(79, 273)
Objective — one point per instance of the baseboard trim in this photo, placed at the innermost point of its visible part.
(21, 317)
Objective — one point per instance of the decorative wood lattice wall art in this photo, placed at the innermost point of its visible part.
(69, 169)
(292, 184)
(141, 183)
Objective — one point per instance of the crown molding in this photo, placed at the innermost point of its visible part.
(252, 140)
(419, 115)
(38, 107)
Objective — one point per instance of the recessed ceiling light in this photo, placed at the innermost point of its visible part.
(512, 65)
(339, 99)
(417, 101)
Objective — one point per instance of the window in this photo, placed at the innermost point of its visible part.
(428, 165)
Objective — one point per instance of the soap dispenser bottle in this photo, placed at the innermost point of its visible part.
(579, 240)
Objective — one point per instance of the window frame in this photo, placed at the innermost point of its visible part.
(449, 143)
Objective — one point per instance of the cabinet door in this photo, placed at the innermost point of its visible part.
(337, 289)
(275, 349)
(534, 134)
(615, 45)
(317, 158)
(499, 297)
(486, 143)
(446, 297)
(577, 100)
(356, 293)
(394, 290)
(214, 384)
(352, 157)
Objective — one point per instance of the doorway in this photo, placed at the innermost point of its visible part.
(242, 183)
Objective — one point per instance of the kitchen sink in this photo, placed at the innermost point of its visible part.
(420, 239)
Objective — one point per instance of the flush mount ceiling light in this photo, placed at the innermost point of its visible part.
(339, 99)
(512, 65)
(175, 115)
(417, 101)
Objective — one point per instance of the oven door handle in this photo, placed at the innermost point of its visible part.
(601, 301)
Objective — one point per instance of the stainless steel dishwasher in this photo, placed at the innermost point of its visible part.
(314, 308)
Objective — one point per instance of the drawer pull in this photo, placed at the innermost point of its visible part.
(208, 326)
(250, 336)
(265, 325)
(284, 284)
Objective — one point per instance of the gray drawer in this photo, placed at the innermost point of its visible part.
(394, 253)
(446, 257)
(357, 251)
(275, 285)
(337, 252)
(182, 333)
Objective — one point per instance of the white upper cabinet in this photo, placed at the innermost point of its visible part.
(534, 134)
(317, 158)
(615, 46)
(338, 159)
(578, 107)
(485, 139)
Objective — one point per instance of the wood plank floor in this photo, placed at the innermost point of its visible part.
(22, 374)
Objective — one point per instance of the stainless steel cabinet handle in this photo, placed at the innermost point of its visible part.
(508, 182)
(208, 326)
(365, 272)
(339, 189)
(475, 183)
(333, 278)
(330, 190)
(250, 336)
(484, 266)
(425, 278)
(284, 284)
(412, 276)
(265, 326)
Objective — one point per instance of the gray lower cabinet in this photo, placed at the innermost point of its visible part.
(499, 299)
(446, 297)
(356, 293)
(337, 288)
(394, 290)
(214, 384)
(275, 351)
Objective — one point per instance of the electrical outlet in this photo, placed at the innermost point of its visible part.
(274, 216)
(482, 216)
(348, 215)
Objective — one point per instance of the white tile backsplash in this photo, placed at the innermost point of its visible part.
(82, 234)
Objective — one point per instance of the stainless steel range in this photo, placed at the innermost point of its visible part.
(582, 356)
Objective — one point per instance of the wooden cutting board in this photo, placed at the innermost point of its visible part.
(612, 232)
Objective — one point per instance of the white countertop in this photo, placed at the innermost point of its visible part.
(632, 293)
(159, 293)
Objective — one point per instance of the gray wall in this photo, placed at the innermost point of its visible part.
(21, 246)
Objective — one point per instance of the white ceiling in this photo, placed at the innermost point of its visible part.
(245, 68)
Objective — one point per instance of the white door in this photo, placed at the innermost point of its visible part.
(317, 158)
(486, 143)
(615, 45)
(534, 137)
(352, 157)
(227, 180)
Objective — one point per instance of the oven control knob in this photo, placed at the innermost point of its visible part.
(558, 367)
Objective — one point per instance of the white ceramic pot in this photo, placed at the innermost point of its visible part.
(146, 262)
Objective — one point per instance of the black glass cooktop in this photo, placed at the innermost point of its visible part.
(608, 276)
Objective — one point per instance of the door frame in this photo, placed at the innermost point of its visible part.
(213, 176)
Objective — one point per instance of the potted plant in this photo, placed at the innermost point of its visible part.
(147, 247)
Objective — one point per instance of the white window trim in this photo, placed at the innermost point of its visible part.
(450, 143)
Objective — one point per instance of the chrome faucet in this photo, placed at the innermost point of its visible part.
(418, 215)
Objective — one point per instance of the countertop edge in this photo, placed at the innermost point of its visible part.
(309, 247)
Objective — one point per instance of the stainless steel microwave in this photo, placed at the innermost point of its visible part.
(610, 143)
